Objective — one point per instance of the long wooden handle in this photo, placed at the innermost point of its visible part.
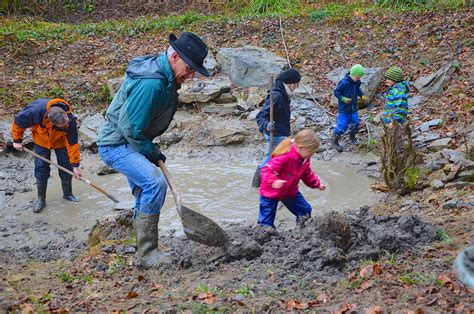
(271, 112)
(177, 198)
(110, 196)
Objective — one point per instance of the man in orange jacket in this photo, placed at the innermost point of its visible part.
(53, 127)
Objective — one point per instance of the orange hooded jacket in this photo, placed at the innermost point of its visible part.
(45, 134)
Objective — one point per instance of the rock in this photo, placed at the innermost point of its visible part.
(225, 98)
(249, 65)
(460, 185)
(6, 134)
(436, 184)
(253, 115)
(300, 123)
(411, 43)
(452, 155)
(426, 126)
(103, 170)
(434, 83)
(242, 105)
(255, 100)
(222, 109)
(210, 64)
(370, 81)
(204, 90)
(89, 130)
(409, 205)
(169, 138)
(415, 101)
(114, 85)
(337, 48)
(466, 175)
(451, 204)
(222, 137)
(439, 144)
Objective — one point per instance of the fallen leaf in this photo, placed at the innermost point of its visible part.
(345, 308)
(376, 269)
(132, 294)
(366, 285)
(376, 309)
(141, 278)
(323, 297)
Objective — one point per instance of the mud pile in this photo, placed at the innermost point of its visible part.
(324, 247)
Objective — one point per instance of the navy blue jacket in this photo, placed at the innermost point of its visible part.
(281, 111)
(349, 89)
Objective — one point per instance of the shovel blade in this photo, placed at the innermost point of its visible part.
(202, 229)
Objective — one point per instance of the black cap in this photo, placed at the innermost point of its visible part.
(290, 76)
(191, 49)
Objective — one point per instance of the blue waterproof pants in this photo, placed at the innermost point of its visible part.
(296, 205)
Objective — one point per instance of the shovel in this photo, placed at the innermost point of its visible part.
(95, 186)
(196, 226)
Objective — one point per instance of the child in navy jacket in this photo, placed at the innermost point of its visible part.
(347, 92)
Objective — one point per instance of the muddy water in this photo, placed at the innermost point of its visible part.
(220, 191)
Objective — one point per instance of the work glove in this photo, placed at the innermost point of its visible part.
(161, 157)
(362, 98)
(271, 127)
(346, 100)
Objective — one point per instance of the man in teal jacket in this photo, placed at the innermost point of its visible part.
(141, 110)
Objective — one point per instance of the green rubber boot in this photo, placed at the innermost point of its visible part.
(148, 254)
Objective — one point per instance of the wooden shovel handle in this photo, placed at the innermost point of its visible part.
(110, 196)
(177, 198)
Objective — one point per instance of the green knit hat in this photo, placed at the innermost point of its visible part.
(357, 70)
(395, 74)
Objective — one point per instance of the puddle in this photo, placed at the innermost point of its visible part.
(219, 191)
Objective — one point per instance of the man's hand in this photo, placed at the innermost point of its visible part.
(277, 184)
(346, 100)
(322, 187)
(271, 127)
(77, 172)
(18, 146)
(161, 157)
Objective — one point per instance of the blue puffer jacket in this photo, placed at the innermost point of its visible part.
(143, 107)
(348, 88)
(281, 111)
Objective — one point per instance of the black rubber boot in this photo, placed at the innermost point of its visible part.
(67, 191)
(353, 139)
(40, 203)
(148, 254)
(335, 143)
(256, 178)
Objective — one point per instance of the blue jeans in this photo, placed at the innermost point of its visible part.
(276, 141)
(344, 120)
(148, 184)
(42, 168)
(297, 205)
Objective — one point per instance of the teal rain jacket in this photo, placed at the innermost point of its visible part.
(143, 107)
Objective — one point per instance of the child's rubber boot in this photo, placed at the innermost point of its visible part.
(335, 143)
(353, 139)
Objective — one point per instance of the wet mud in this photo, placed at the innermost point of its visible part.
(327, 246)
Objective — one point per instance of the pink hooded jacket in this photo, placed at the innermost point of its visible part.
(290, 167)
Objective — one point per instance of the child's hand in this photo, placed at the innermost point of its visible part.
(277, 184)
(322, 187)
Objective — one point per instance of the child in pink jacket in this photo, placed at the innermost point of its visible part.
(281, 175)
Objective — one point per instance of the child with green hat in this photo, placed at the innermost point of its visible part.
(396, 101)
(346, 92)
